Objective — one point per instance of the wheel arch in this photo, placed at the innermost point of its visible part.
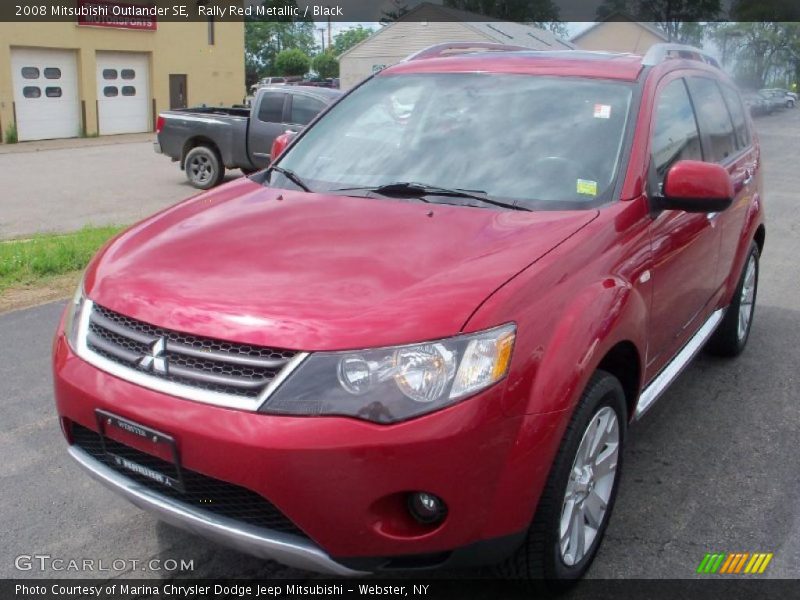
(196, 141)
(760, 237)
(623, 362)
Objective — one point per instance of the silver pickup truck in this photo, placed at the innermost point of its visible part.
(208, 140)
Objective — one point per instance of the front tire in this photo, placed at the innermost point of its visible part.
(203, 167)
(731, 336)
(576, 504)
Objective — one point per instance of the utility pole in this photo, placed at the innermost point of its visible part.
(322, 37)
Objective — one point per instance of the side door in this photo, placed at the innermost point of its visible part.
(177, 91)
(685, 246)
(742, 166)
(266, 123)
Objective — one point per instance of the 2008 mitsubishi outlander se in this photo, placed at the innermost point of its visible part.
(418, 338)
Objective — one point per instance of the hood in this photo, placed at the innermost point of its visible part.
(302, 271)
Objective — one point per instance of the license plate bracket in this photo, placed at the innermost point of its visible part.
(107, 420)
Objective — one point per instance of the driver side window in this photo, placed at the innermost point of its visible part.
(675, 136)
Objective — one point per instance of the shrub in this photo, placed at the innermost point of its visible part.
(292, 62)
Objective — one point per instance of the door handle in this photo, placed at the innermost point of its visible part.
(748, 176)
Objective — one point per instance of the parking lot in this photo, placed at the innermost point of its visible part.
(63, 185)
(713, 467)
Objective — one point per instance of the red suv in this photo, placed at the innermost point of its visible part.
(418, 338)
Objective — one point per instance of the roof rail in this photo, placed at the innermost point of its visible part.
(452, 48)
(658, 53)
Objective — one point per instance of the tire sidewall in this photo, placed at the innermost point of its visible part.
(215, 165)
(605, 392)
(735, 306)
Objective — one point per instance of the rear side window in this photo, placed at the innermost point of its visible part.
(715, 121)
(676, 136)
(271, 108)
(304, 109)
(737, 114)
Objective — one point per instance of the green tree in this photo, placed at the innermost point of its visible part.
(344, 40)
(680, 20)
(537, 12)
(292, 62)
(762, 50)
(263, 40)
(390, 16)
(326, 65)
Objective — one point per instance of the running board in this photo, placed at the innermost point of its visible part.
(676, 366)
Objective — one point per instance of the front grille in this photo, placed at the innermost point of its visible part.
(210, 494)
(239, 370)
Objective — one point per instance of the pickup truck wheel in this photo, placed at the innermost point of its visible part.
(203, 168)
(731, 336)
(576, 504)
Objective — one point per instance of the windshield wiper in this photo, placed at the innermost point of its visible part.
(420, 190)
(291, 176)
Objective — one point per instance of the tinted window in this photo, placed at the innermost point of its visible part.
(30, 72)
(675, 136)
(271, 108)
(544, 142)
(52, 92)
(110, 91)
(128, 90)
(31, 91)
(304, 109)
(128, 74)
(52, 73)
(715, 122)
(737, 114)
(109, 73)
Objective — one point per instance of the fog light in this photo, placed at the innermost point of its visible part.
(426, 508)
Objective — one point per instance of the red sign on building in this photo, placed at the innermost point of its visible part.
(101, 13)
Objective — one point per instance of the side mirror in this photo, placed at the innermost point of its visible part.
(280, 144)
(697, 187)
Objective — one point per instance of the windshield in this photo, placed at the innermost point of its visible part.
(537, 142)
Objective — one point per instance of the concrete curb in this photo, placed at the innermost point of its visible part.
(65, 144)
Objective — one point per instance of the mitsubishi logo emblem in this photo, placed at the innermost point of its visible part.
(155, 361)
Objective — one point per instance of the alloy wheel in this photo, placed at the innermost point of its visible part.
(200, 168)
(590, 485)
(747, 298)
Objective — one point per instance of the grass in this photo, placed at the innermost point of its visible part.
(29, 261)
(11, 134)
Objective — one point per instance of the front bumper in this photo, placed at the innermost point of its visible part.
(287, 549)
(343, 482)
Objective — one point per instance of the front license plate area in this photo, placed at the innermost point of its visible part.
(162, 447)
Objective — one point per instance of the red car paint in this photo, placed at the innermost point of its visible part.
(284, 268)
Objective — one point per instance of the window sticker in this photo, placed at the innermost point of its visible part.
(587, 187)
(602, 111)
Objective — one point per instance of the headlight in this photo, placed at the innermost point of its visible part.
(386, 385)
(72, 322)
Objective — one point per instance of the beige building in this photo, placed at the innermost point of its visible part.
(66, 79)
(430, 24)
(619, 35)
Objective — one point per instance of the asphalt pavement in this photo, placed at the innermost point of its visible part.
(62, 185)
(712, 468)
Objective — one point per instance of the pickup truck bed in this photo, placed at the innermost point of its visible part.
(207, 140)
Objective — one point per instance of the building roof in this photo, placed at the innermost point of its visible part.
(502, 32)
(621, 16)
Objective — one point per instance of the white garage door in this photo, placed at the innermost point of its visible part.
(45, 93)
(123, 92)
